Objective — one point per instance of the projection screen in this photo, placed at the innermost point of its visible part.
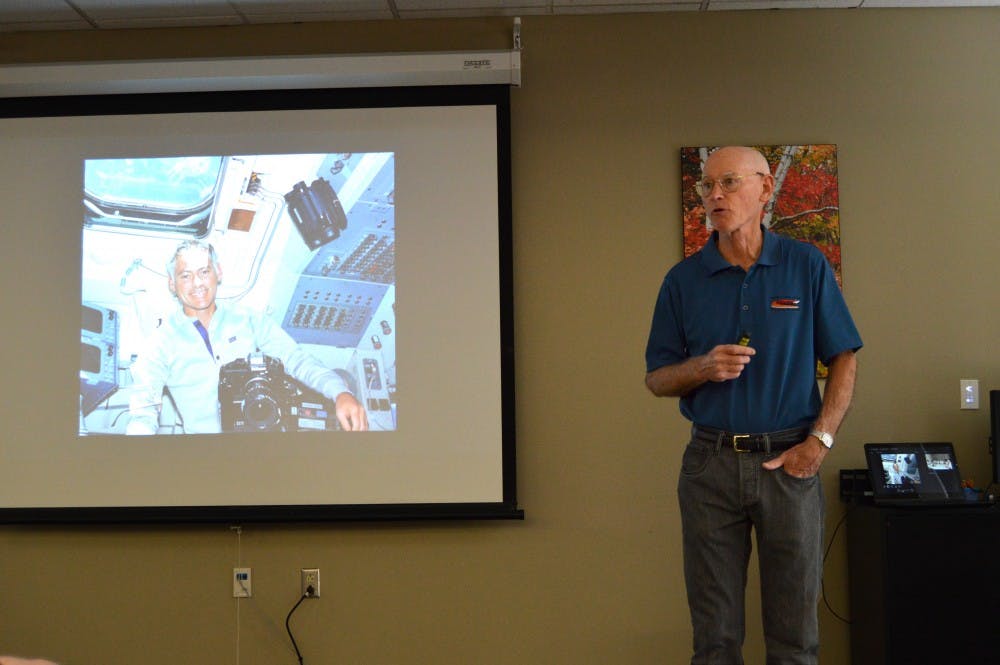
(253, 276)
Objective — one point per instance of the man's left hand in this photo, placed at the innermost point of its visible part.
(351, 415)
(802, 460)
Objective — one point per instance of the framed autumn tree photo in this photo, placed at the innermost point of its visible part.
(805, 205)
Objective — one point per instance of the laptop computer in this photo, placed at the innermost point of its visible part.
(915, 474)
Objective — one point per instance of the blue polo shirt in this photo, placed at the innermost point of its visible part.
(791, 306)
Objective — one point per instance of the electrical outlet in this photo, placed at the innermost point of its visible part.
(310, 578)
(242, 583)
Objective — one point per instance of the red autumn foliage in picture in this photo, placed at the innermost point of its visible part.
(806, 204)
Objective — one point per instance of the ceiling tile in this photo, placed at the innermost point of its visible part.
(612, 4)
(21, 15)
(930, 3)
(36, 10)
(470, 8)
(728, 5)
(167, 22)
(39, 15)
(25, 26)
(273, 11)
(308, 17)
(290, 7)
(611, 7)
(141, 10)
(451, 5)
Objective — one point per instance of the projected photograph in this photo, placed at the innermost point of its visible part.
(239, 293)
(900, 470)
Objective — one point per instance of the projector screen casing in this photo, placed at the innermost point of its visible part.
(452, 454)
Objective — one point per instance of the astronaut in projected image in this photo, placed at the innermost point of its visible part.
(186, 352)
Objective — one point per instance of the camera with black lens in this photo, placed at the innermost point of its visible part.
(256, 395)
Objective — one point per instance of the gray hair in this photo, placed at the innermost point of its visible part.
(187, 245)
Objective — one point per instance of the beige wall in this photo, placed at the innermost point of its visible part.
(593, 575)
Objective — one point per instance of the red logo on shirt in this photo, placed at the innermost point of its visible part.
(785, 303)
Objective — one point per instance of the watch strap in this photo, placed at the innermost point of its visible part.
(824, 437)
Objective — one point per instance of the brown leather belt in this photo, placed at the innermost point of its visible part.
(764, 442)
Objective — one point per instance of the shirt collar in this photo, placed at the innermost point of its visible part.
(714, 262)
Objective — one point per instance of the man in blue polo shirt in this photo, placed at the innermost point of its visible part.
(736, 333)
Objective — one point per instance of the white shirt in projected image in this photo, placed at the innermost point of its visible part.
(177, 357)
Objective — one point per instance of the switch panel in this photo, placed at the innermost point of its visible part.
(970, 393)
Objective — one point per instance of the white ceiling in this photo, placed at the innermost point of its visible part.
(17, 15)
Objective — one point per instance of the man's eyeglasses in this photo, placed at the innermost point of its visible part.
(729, 183)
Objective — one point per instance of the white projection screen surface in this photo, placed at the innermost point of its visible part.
(249, 278)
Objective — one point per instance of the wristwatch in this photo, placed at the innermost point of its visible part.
(824, 437)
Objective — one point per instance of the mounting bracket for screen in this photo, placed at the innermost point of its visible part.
(273, 73)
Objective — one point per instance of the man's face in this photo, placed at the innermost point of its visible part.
(732, 211)
(195, 281)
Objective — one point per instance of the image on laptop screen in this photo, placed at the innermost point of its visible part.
(913, 471)
(900, 469)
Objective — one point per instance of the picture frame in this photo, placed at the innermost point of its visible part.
(805, 204)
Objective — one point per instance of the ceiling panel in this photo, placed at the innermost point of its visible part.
(36, 10)
(16, 15)
(377, 14)
(101, 10)
(611, 6)
(930, 3)
(39, 15)
(468, 8)
(451, 5)
(728, 5)
(304, 11)
(652, 5)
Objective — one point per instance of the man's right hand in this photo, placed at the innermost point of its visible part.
(725, 362)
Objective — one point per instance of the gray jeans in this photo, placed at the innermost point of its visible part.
(723, 495)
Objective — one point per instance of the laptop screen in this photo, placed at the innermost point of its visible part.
(913, 471)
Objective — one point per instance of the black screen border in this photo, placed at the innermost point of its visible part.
(314, 99)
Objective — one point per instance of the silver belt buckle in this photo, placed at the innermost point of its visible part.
(736, 443)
